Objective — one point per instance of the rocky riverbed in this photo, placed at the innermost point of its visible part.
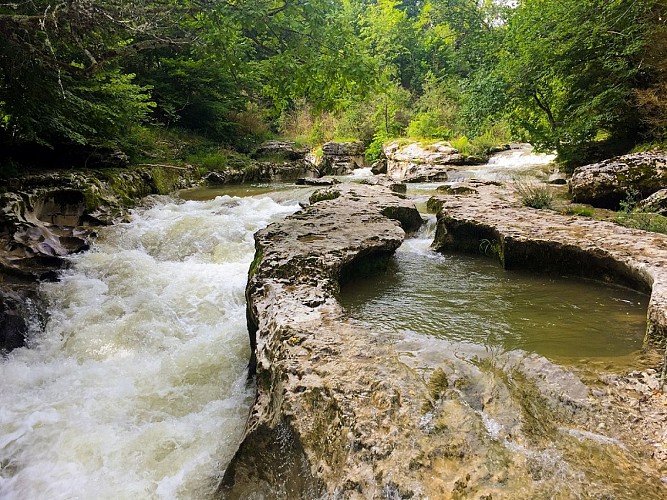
(349, 413)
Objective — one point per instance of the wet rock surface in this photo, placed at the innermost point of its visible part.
(343, 412)
(609, 182)
(46, 217)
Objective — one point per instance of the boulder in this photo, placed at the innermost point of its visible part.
(383, 180)
(341, 158)
(557, 178)
(657, 203)
(263, 171)
(379, 167)
(456, 189)
(609, 182)
(280, 150)
(19, 309)
(313, 181)
(415, 162)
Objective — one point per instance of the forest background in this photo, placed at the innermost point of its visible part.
(192, 80)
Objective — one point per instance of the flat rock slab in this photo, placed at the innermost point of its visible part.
(345, 412)
(543, 240)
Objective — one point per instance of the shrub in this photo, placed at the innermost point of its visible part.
(374, 150)
(533, 194)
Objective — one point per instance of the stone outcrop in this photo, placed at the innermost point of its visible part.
(415, 162)
(48, 216)
(545, 241)
(280, 150)
(341, 158)
(316, 181)
(383, 180)
(609, 182)
(657, 203)
(263, 171)
(344, 412)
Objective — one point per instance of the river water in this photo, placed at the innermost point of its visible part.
(138, 387)
(471, 299)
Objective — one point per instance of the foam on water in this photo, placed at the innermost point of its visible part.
(137, 387)
(361, 173)
(507, 165)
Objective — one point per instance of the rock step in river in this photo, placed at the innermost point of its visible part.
(345, 411)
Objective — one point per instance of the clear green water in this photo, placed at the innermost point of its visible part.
(471, 299)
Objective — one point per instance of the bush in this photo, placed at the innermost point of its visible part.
(374, 150)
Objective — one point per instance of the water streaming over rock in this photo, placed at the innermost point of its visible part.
(138, 386)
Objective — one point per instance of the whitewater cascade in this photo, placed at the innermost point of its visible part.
(138, 386)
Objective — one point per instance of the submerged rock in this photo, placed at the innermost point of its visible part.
(609, 182)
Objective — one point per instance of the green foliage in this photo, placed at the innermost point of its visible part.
(570, 68)
(581, 210)
(630, 216)
(584, 76)
(495, 136)
(437, 109)
(374, 150)
(219, 159)
(646, 221)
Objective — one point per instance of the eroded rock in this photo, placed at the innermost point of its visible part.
(280, 150)
(609, 182)
(341, 158)
(343, 412)
(415, 162)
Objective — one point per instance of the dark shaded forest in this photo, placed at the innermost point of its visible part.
(82, 79)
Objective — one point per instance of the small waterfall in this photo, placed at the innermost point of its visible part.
(137, 387)
(420, 243)
(507, 165)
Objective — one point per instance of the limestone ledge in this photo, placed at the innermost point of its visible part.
(545, 241)
(304, 394)
(344, 412)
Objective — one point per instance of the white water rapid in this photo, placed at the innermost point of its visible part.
(137, 387)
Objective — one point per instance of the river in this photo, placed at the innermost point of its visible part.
(137, 387)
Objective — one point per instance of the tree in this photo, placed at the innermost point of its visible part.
(571, 67)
